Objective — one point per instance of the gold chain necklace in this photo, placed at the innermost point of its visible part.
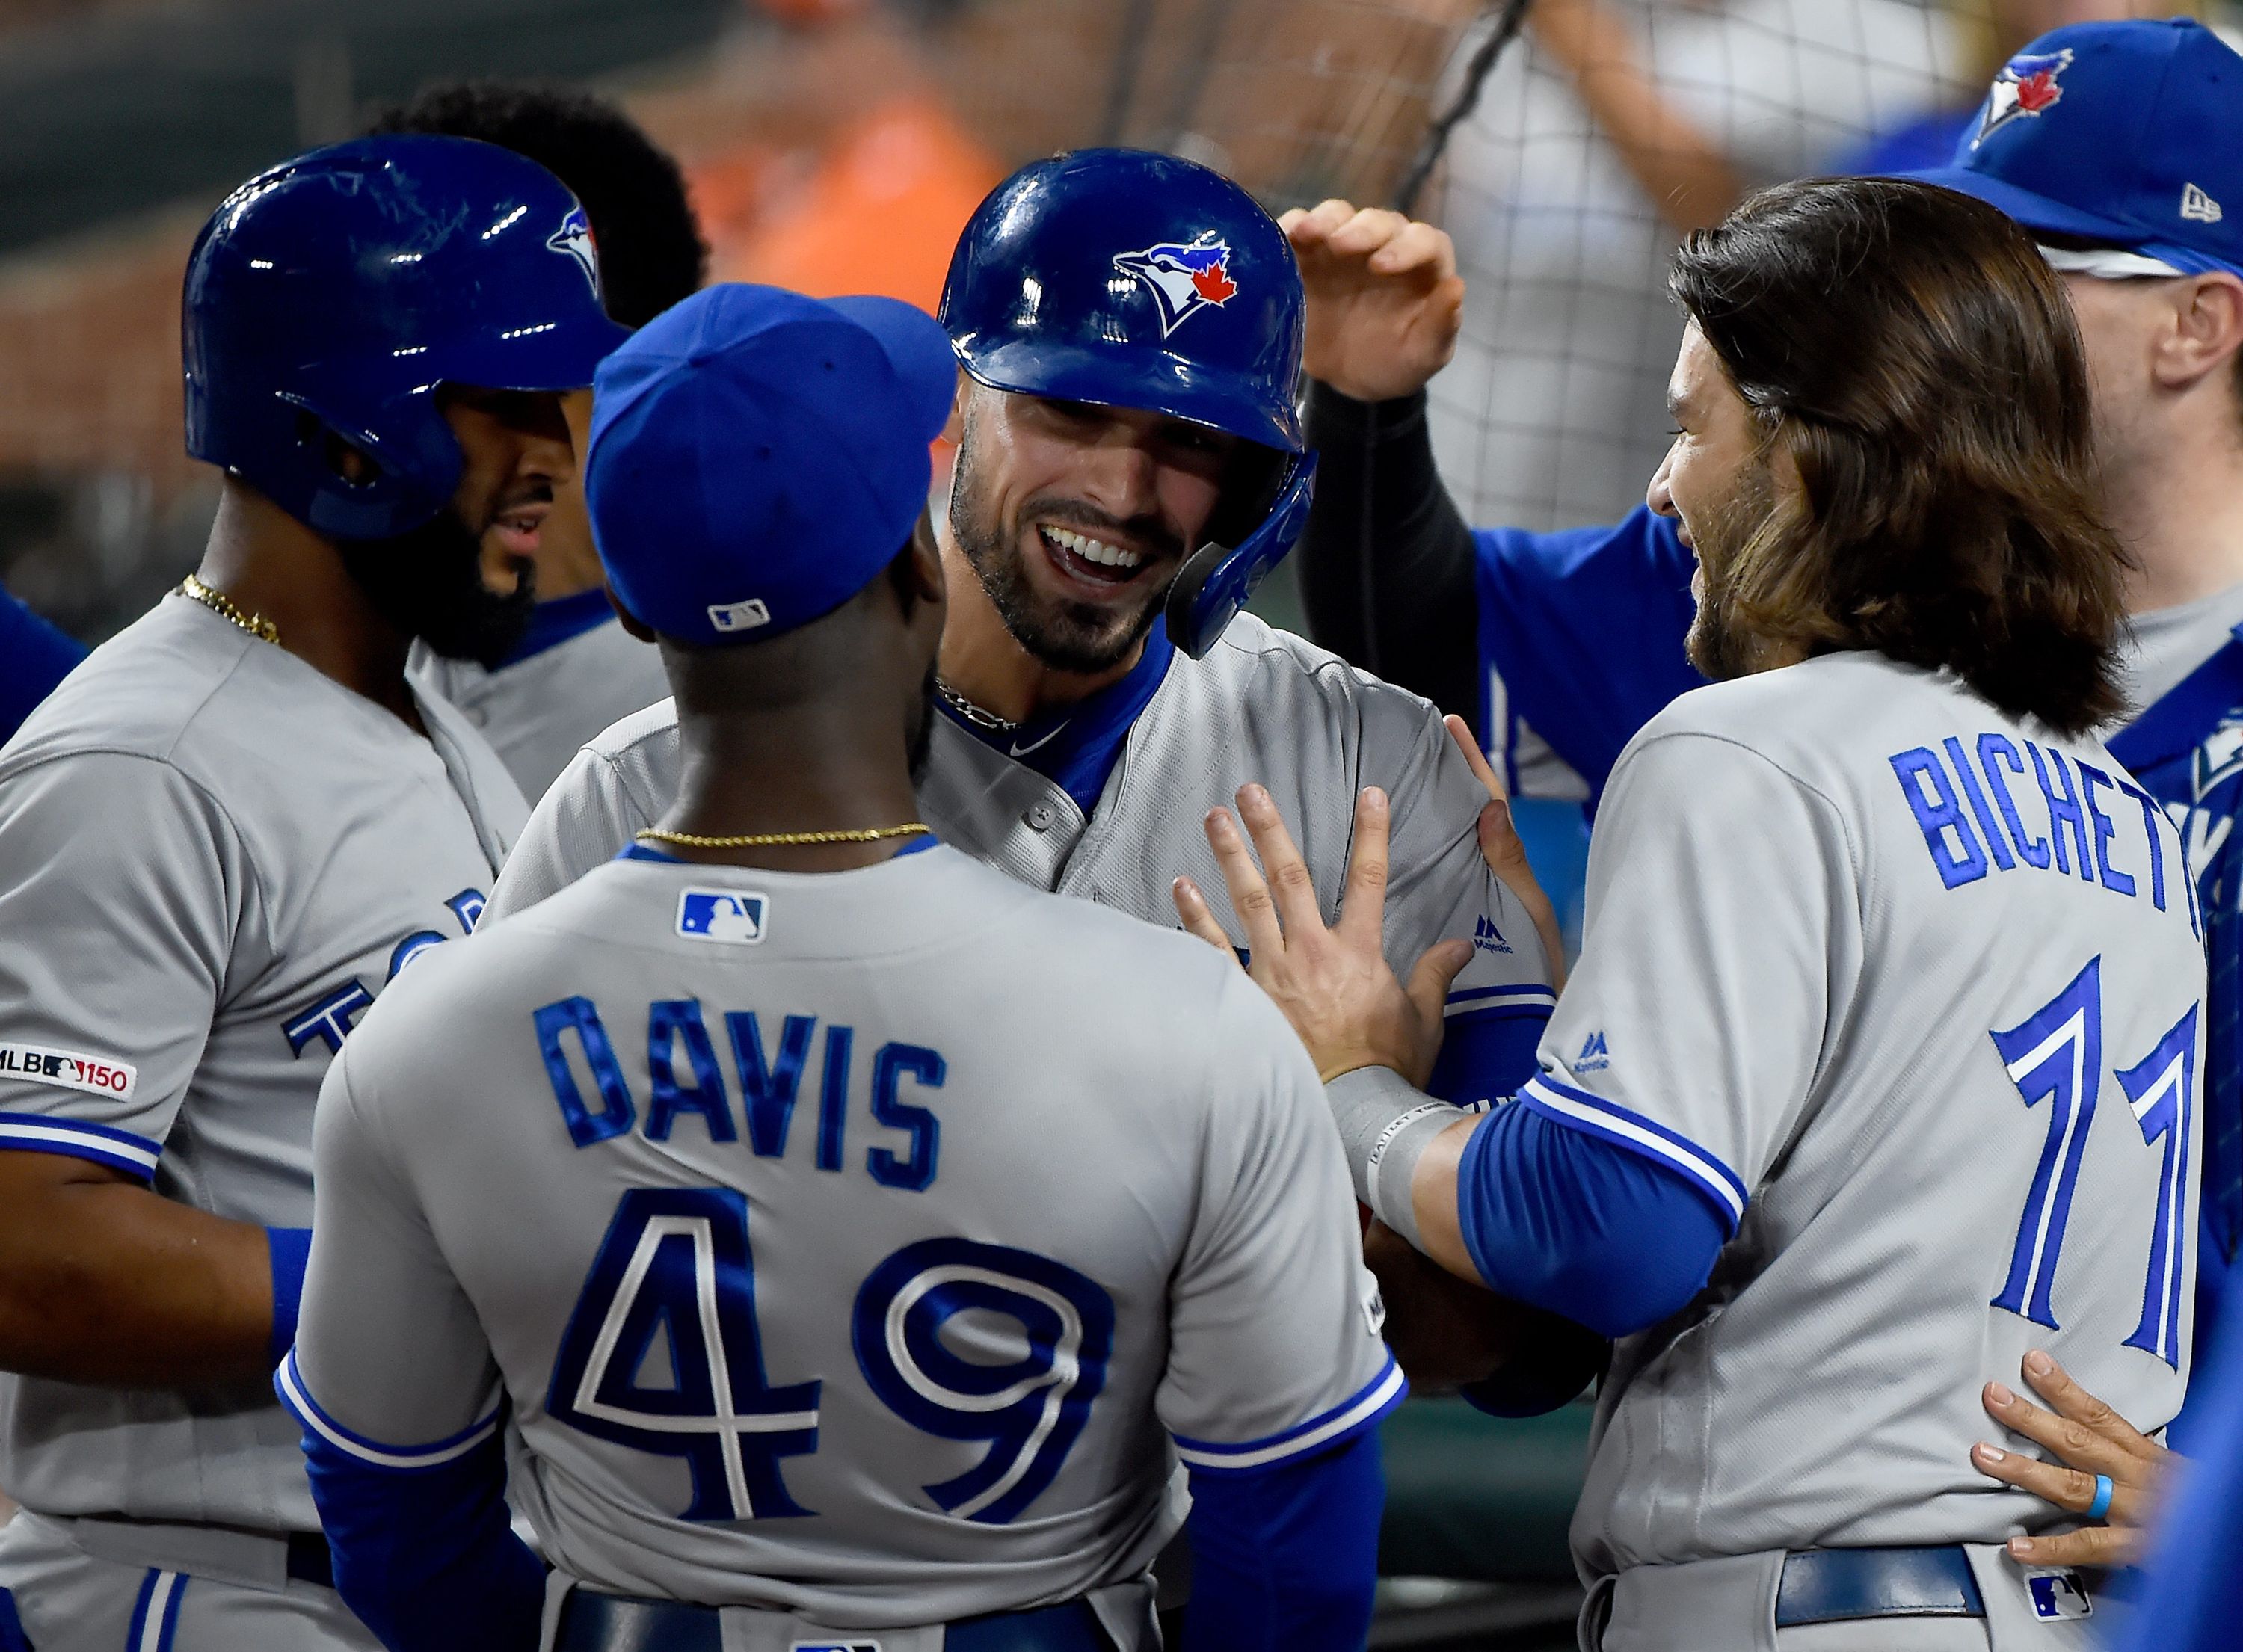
(226, 608)
(776, 840)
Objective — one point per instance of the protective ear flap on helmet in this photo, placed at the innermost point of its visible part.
(1216, 580)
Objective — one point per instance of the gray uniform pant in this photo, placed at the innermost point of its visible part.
(1728, 1605)
(72, 1600)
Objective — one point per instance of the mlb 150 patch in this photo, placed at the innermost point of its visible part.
(92, 1074)
(737, 915)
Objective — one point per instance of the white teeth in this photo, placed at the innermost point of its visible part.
(1092, 550)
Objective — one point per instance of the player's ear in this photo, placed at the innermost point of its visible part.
(953, 428)
(924, 557)
(631, 622)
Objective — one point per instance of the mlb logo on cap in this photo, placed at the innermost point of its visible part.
(740, 616)
(722, 915)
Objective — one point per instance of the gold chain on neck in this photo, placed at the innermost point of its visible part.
(776, 839)
(226, 608)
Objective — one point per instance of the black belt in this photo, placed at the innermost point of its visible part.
(309, 1561)
(1830, 1585)
(594, 1622)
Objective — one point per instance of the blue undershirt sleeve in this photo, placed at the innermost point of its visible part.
(1286, 1559)
(1486, 1056)
(1565, 1220)
(34, 657)
(426, 1557)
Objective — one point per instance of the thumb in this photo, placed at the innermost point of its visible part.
(1500, 846)
(1428, 991)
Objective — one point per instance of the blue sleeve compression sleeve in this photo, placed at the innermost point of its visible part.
(1486, 1056)
(1555, 1217)
(1286, 1559)
(426, 1557)
(1585, 628)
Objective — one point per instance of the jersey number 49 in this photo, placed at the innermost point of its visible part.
(675, 1269)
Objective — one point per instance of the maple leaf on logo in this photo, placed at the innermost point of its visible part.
(1214, 284)
(2037, 91)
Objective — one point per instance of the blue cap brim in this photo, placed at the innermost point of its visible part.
(2040, 214)
(916, 347)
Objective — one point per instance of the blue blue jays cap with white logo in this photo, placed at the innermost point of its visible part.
(2125, 134)
(758, 457)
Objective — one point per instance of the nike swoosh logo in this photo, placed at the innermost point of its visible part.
(1022, 751)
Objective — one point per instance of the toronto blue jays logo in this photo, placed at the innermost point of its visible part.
(1182, 279)
(2027, 85)
(575, 238)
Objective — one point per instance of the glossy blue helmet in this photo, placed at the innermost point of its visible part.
(1132, 280)
(328, 297)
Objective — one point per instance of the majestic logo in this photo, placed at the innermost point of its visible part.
(2056, 1597)
(1488, 938)
(722, 915)
(575, 238)
(2027, 85)
(2195, 204)
(1594, 1057)
(1183, 279)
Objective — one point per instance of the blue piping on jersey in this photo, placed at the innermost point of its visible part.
(161, 1596)
(553, 624)
(1359, 1411)
(1624, 1127)
(288, 1384)
(76, 1138)
(1076, 747)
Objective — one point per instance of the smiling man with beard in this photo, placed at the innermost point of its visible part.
(232, 828)
(1129, 328)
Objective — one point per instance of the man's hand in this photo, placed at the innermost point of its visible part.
(2088, 1439)
(1334, 984)
(1386, 303)
(1506, 856)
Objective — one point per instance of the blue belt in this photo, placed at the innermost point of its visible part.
(1830, 1585)
(592, 1622)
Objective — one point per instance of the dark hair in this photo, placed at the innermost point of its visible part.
(650, 249)
(1915, 359)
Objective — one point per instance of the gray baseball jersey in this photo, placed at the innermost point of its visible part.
(1263, 706)
(212, 858)
(846, 1245)
(576, 673)
(1912, 990)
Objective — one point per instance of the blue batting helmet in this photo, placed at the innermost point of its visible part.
(332, 295)
(1132, 280)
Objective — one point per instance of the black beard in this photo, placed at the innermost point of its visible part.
(428, 582)
(1719, 643)
(1079, 637)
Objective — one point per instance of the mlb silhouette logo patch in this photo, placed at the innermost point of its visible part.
(835, 1646)
(737, 915)
(2030, 83)
(2056, 1597)
(1185, 278)
(740, 616)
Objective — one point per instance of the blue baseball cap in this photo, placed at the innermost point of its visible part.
(758, 457)
(2125, 134)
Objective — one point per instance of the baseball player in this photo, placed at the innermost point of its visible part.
(806, 1200)
(2120, 146)
(228, 831)
(575, 670)
(38, 656)
(1128, 326)
(1879, 1064)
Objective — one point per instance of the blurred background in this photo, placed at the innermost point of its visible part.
(838, 145)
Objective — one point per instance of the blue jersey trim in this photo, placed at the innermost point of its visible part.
(2178, 722)
(1630, 1129)
(641, 852)
(553, 624)
(288, 1383)
(1320, 1433)
(42, 1133)
(1076, 747)
(156, 1612)
(1512, 1000)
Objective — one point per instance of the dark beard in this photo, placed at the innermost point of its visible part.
(427, 583)
(1079, 637)
(1720, 644)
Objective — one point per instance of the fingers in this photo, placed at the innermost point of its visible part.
(1467, 742)
(1290, 885)
(1313, 226)
(1428, 986)
(1362, 903)
(2054, 1384)
(1249, 896)
(2071, 1489)
(1416, 247)
(2089, 1545)
(2073, 1442)
(1192, 908)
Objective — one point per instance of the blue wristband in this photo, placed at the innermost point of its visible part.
(292, 1249)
